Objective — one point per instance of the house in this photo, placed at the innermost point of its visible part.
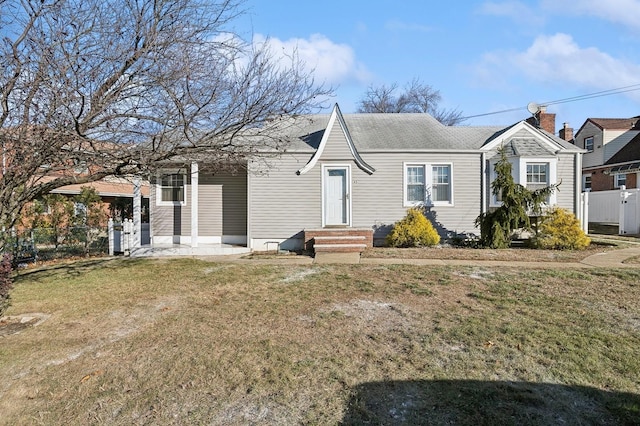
(353, 176)
(613, 153)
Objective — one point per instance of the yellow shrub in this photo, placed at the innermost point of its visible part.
(414, 230)
(561, 230)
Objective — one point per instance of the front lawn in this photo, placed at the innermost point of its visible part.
(194, 342)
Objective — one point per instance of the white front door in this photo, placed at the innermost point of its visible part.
(336, 196)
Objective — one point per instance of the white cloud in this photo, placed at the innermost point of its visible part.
(625, 12)
(330, 62)
(514, 10)
(559, 60)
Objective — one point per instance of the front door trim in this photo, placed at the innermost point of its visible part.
(347, 193)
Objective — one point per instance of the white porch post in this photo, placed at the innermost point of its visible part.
(137, 213)
(194, 204)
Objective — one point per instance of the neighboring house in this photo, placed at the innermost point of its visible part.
(358, 172)
(613, 153)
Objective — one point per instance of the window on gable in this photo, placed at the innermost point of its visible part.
(172, 188)
(428, 184)
(620, 180)
(588, 143)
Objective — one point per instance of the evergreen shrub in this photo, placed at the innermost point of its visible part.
(561, 230)
(414, 230)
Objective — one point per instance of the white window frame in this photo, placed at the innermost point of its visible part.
(428, 180)
(519, 173)
(590, 139)
(159, 187)
(586, 177)
(617, 178)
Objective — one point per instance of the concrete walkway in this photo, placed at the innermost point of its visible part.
(610, 259)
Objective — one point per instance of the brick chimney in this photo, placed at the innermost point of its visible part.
(566, 133)
(543, 120)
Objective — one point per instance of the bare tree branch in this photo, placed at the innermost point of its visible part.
(119, 86)
(417, 97)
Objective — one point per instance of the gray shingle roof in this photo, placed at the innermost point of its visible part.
(405, 132)
(402, 132)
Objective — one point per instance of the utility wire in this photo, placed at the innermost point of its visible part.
(609, 92)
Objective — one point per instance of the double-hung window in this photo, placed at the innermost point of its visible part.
(620, 179)
(537, 176)
(586, 183)
(171, 189)
(428, 184)
(530, 172)
(588, 143)
(416, 189)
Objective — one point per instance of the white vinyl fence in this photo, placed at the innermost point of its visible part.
(620, 207)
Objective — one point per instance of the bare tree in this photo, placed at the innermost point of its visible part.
(417, 97)
(114, 87)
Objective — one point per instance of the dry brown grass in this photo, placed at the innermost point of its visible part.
(195, 342)
(520, 254)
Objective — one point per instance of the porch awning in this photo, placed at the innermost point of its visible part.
(627, 168)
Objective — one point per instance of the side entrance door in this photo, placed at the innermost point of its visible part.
(336, 196)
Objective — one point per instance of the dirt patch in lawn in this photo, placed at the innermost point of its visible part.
(15, 324)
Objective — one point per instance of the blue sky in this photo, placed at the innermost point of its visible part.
(482, 56)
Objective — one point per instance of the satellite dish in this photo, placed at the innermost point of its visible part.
(533, 107)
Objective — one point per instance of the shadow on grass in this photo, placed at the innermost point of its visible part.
(73, 267)
(467, 402)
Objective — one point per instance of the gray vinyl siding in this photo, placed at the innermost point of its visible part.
(565, 197)
(337, 147)
(284, 203)
(170, 220)
(209, 207)
(222, 208)
(222, 205)
(378, 200)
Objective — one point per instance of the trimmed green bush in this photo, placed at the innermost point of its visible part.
(414, 230)
(561, 230)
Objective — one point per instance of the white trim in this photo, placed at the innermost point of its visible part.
(616, 183)
(336, 115)
(195, 190)
(519, 174)
(325, 168)
(234, 239)
(158, 185)
(523, 125)
(183, 239)
(428, 182)
(584, 182)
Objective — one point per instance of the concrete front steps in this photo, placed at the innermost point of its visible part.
(338, 240)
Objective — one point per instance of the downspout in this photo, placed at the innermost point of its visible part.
(249, 239)
(578, 189)
(483, 180)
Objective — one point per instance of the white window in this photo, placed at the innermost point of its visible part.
(588, 143)
(620, 179)
(171, 189)
(531, 173)
(428, 184)
(586, 183)
(537, 176)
